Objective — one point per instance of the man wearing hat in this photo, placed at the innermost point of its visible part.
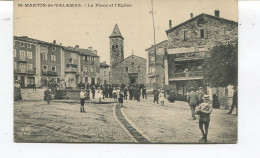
(204, 110)
(234, 103)
(193, 101)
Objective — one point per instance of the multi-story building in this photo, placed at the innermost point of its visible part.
(24, 58)
(90, 66)
(104, 73)
(187, 45)
(38, 62)
(151, 69)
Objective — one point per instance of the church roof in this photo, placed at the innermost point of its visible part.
(116, 32)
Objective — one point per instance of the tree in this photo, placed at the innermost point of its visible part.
(220, 68)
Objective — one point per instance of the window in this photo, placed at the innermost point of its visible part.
(44, 56)
(92, 69)
(22, 53)
(185, 35)
(202, 33)
(14, 52)
(152, 59)
(22, 66)
(105, 73)
(132, 63)
(85, 69)
(29, 54)
(29, 67)
(53, 68)
(21, 44)
(223, 31)
(152, 69)
(126, 69)
(29, 45)
(53, 58)
(53, 48)
(15, 66)
(44, 67)
(139, 68)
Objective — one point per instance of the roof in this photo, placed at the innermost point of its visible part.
(196, 17)
(134, 56)
(156, 45)
(116, 32)
(87, 52)
(103, 64)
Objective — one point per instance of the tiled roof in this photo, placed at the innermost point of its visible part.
(103, 64)
(196, 17)
(163, 42)
(87, 52)
(116, 32)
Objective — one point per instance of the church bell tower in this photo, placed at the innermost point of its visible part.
(116, 48)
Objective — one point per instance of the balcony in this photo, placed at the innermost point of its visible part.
(49, 73)
(25, 71)
(71, 70)
(22, 59)
(191, 75)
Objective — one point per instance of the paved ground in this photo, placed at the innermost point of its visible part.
(35, 121)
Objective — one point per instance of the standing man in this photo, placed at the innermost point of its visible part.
(93, 92)
(131, 92)
(82, 100)
(155, 95)
(144, 92)
(47, 95)
(138, 93)
(200, 94)
(234, 103)
(193, 101)
(125, 92)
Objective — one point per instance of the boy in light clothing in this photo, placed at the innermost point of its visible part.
(204, 110)
(82, 99)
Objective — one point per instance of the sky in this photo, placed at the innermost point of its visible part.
(92, 26)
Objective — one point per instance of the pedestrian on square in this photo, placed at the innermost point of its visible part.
(155, 95)
(131, 92)
(193, 101)
(125, 93)
(93, 91)
(99, 94)
(17, 91)
(200, 94)
(82, 99)
(54, 86)
(121, 98)
(234, 103)
(110, 91)
(138, 93)
(114, 94)
(34, 86)
(144, 92)
(161, 97)
(216, 104)
(204, 110)
(47, 95)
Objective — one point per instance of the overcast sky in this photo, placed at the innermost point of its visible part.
(87, 26)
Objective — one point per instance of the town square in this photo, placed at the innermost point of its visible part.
(129, 79)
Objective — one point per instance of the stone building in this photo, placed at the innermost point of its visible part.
(187, 45)
(104, 73)
(129, 70)
(38, 62)
(24, 58)
(150, 64)
(90, 66)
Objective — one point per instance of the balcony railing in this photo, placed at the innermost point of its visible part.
(71, 69)
(22, 58)
(49, 73)
(25, 71)
(189, 74)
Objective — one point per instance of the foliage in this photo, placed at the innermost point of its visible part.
(193, 84)
(171, 98)
(168, 89)
(220, 68)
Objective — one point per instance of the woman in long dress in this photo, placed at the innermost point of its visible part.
(161, 97)
(17, 91)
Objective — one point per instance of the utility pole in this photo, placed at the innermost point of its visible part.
(154, 46)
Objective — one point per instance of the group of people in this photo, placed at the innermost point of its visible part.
(158, 95)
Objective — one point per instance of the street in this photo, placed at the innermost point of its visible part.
(145, 121)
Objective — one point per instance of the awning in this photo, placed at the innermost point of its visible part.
(134, 75)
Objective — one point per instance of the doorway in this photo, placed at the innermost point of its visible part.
(22, 81)
(132, 80)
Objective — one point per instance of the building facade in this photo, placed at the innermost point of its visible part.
(104, 73)
(39, 62)
(188, 44)
(129, 70)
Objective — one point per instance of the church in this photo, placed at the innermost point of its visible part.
(124, 70)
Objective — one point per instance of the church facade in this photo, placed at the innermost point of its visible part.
(124, 70)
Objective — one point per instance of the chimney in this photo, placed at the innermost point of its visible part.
(54, 42)
(77, 47)
(217, 13)
(95, 52)
(191, 15)
(90, 48)
(170, 23)
(60, 44)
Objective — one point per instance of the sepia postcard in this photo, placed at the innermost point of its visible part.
(125, 71)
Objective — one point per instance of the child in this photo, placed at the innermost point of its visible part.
(120, 99)
(82, 100)
(114, 94)
(204, 110)
(161, 97)
(47, 95)
(99, 95)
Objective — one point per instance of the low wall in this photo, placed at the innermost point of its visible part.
(68, 94)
